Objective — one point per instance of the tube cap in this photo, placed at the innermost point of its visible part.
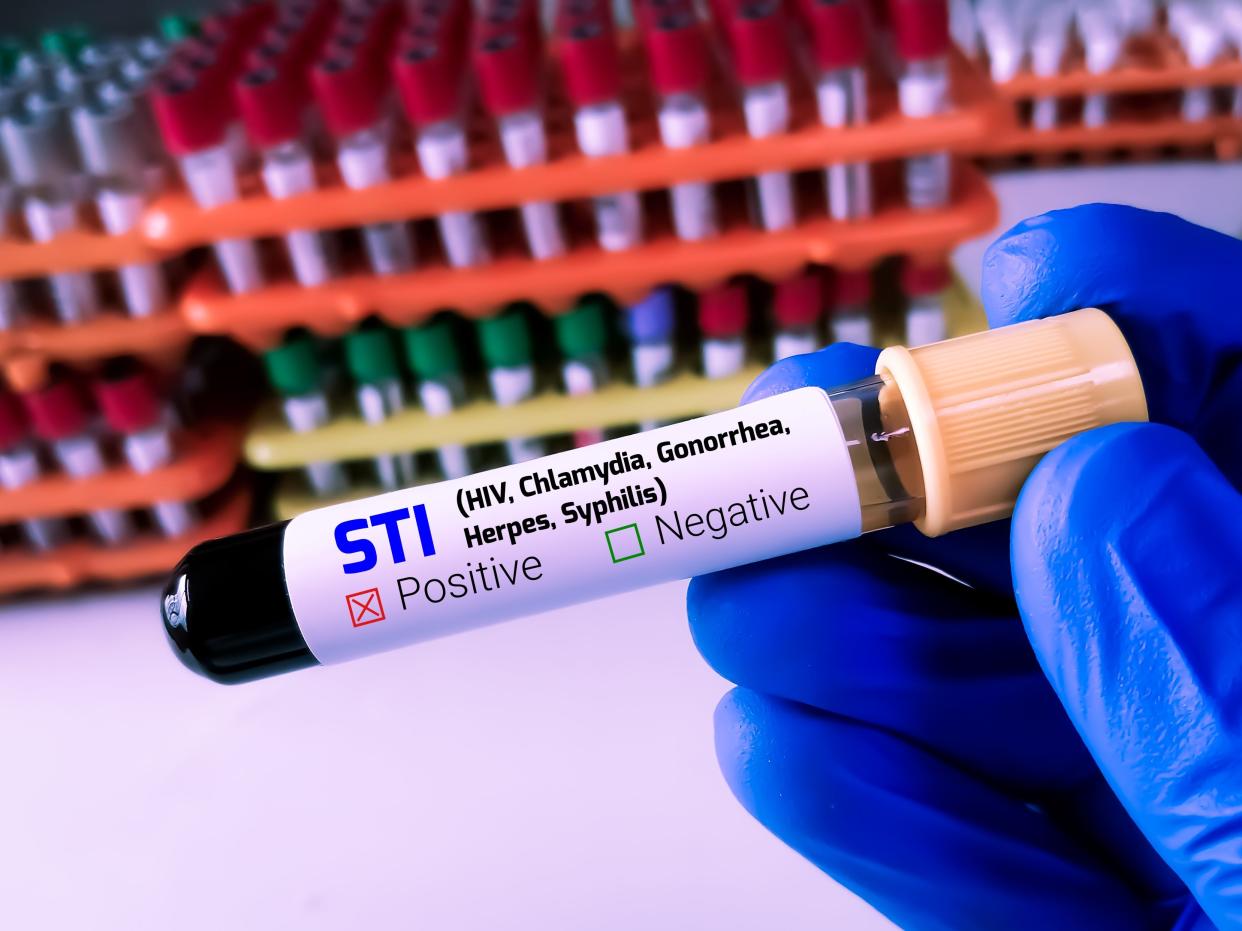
(723, 311)
(676, 51)
(852, 288)
(581, 332)
(56, 410)
(348, 90)
(838, 32)
(293, 368)
(13, 426)
(176, 26)
(985, 408)
(921, 28)
(798, 301)
(507, 69)
(371, 355)
(429, 80)
(757, 37)
(589, 62)
(129, 403)
(654, 318)
(270, 106)
(431, 349)
(190, 110)
(920, 279)
(505, 339)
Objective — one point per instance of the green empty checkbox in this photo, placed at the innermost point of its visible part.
(624, 543)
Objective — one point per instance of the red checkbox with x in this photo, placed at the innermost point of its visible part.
(365, 607)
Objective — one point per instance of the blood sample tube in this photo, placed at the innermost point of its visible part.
(38, 143)
(118, 152)
(723, 314)
(651, 327)
(851, 307)
(838, 35)
(924, 286)
(272, 101)
(19, 466)
(432, 355)
(1202, 38)
(592, 77)
(582, 337)
(756, 31)
(1050, 31)
(677, 58)
(60, 418)
(349, 89)
(508, 68)
(430, 75)
(190, 108)
(134, 411)
(1100, 31)
(294, 371)
(371, 356)
(508, 353)
(797, 309)
(922, 39)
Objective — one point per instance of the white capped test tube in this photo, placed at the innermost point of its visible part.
(371, 357)
(432, 354)
(922, 39)
(582, 337)
(508, 352)
(295, 372)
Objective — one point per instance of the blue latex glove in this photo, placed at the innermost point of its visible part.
(896, 727)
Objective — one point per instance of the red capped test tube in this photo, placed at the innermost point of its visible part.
(677, 57)
(921, 29)
(349, 86)
(925, 285)
(756, 31)
(191, 106)
(430, 70)
(723, 315)
(20, 465)
(134, 411)
(61, 419)
(838, 50)
(591, 69)
(273, 99)
(797, 309)
(508, 67)
(851, 307)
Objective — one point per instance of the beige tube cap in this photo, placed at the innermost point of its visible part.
(985, 408)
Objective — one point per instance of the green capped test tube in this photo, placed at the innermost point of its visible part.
(175, 27)
(432, 355)
(582, 336)
(507, 351)
(371, 356)
(295, 372)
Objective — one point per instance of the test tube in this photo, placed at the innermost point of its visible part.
(507, 66)
(925, 285)
(677, 58)
(350, 94)
(191, 109)
(38, 144)
(116, 147)
(1100, 31)
(430, 76)
(756, 32)
(295, 372)
(851, 307)
(272, 101)
(20, 465)
(651, 327)
(1202, 38)
(10, 297)
(432, 355)
(60, 418)
(371, 356)
(582, 337)
(964, 27)
(797, 308)
(838, 33)
(508, 353)
(1049, 37)
(922, 38)
(1003, 25)
(723, 312)
(134, 411)
(592, 77)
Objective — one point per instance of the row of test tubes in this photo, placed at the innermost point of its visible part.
(377, 371)
(1043, 36)
(77, 138)
(81, 428)
(373, 85)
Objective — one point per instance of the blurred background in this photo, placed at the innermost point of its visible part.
(258, 257)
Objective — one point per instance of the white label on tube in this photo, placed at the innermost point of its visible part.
(523, 139)
(601, 130)
(765, 479)
(465, 244)
(442, 151)
(923, 93)
(694, 210)
(924, 323)
(119, 210)
(618, 221)
(789, 343)
(511, 383)
(144, 289)
(364, 162)
(852, 328)
(308, 254)
(544, 236)
(928, 180)
(288, 176)
(723, 357)
(46, 219)
(211, 176)
(390, 249)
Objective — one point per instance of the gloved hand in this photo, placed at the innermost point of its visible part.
(894, 724)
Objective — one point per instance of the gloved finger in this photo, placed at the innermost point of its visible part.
(929, 846)
(1127, 550)
(972, 556)
(1172, 287)
(865, 636)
